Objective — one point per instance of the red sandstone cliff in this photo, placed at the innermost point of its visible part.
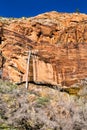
(58, 42)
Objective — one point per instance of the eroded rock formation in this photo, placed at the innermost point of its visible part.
(58, 42)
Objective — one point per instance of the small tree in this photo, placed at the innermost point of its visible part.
(77, 10)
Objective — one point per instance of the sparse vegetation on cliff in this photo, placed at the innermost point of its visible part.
(41, 108)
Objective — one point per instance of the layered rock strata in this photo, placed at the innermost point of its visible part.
(58, 45)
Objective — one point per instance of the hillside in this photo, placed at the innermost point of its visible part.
(55, 44)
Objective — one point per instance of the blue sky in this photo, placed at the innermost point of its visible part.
(27, 8)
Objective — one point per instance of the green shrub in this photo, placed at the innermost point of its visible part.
(42, 100)
(6, 86)
(6, 127)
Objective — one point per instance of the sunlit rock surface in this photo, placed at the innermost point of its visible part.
(58, 42)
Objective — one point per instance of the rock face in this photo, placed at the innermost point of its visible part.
(58, 45)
